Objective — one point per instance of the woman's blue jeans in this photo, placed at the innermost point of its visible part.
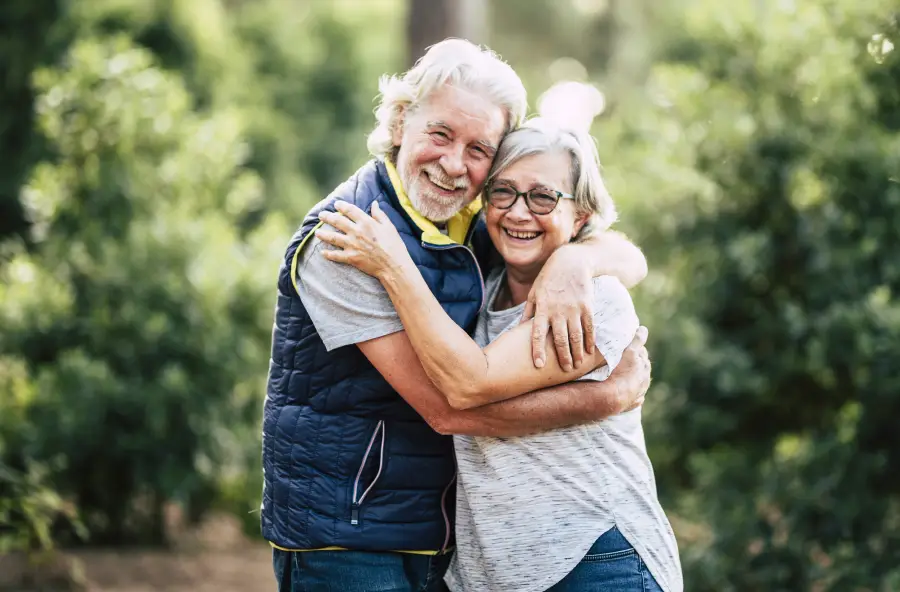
(610, 564)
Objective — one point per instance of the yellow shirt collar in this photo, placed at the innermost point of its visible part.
(457, 226)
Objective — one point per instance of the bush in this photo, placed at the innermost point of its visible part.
(139, 311)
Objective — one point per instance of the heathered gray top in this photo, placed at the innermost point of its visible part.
(529, 508)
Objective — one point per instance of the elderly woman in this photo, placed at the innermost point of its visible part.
(571, 509)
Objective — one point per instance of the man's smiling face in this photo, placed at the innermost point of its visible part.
(447, 145)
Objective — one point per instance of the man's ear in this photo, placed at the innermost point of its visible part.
(397, 130)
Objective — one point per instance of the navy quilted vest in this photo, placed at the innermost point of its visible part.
(347, 462)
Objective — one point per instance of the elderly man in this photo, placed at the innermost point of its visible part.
(358, 467)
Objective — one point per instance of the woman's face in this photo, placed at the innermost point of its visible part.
(524, 239)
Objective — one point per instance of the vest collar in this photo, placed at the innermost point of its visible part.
(457, 226)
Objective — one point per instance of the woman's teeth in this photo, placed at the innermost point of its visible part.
(521, 234)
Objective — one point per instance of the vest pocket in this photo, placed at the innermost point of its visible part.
(359, 495)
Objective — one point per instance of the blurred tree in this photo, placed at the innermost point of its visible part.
(610, 43)
(430, 21)
(32, 36)
(761, 175)
(135, 340)
(172, 151)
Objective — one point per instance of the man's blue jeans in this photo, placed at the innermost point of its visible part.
(610, 564)
(358, 571)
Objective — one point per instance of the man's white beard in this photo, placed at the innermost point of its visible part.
(436, 208)
(429, 203)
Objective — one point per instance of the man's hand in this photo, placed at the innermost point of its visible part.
(562, 298)
(632, 375)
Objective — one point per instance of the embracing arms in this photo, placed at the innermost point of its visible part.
(467, 375)
(570, 320)
(568, 404)
(562, 296)
(350, 307)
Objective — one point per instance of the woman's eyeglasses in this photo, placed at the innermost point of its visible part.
(538, 200)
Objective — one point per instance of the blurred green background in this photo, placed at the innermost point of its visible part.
(156, 155)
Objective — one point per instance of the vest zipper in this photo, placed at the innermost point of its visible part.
(446, 516)
(447, 525)
(356, 503)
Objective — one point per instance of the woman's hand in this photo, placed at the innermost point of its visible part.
(369, 243)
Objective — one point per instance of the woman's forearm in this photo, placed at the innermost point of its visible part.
(467, 375)
(452, 360)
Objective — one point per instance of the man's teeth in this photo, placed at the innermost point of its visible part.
(520, 234)
(444, 187)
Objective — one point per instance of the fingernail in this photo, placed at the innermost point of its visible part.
(567, 367)
(539, 362)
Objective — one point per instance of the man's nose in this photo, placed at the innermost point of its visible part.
(452, 162)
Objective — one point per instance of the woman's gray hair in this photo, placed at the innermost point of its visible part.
(452, 61)
(564, 126)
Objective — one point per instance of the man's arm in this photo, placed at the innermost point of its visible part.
(568, 404)
(562, 294)
(611, 253)
(560, 299)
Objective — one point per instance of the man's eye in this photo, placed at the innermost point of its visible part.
(440, 135)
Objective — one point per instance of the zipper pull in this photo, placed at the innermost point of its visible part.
(354, 514)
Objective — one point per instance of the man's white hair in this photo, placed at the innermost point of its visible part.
(452, 61)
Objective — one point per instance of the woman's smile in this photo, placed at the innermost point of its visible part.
(524, 239)
(521, 236)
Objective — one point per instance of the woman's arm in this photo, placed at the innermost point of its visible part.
(571, 268)
(467, 375)
(573, 403)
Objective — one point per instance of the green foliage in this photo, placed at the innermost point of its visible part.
(767, 198)
(119, 307)
(754, 154)
(32, 35)
(157, 154)
(29, 505)
(171, 147)
(29, 510)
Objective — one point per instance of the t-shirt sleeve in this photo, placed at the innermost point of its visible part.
(615, 323)
(345, 305)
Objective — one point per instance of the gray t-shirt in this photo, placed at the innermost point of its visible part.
(529, 508)
(346, 305)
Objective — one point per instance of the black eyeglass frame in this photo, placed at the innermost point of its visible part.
(528, 199)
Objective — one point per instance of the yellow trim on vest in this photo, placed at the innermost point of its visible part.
(457, 226)
(296, 256)
(274, 546)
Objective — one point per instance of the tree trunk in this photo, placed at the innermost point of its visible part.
(430, 21)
